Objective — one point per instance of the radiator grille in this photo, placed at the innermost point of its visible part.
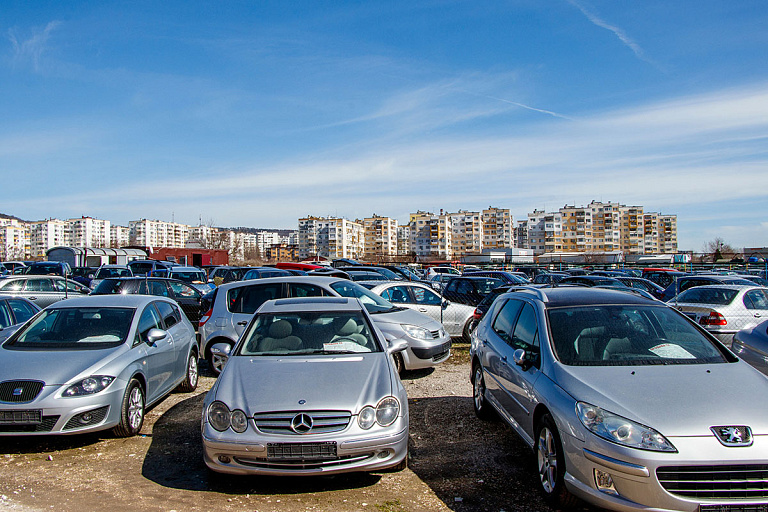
(323, 422)
(20, 391)
(719, 482)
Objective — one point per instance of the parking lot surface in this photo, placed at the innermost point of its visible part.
(456, 463)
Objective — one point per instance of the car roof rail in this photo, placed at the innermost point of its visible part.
(530, 289)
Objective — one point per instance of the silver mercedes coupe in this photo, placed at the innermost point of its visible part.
(310, 388)
(94, 363)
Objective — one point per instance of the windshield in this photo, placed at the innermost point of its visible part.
(615, 335)
(372, 302)
(113, 272)
(75, 328)
(191, 276)
(43, 269)
(707, 295)
(311, 332)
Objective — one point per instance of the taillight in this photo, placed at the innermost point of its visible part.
(714, 318)
(477, 315)
(205, 317)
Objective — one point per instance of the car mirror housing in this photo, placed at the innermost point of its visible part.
(396, 345)
(221, 352)
(155, 335)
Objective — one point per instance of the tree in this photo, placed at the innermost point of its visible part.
(718, 249)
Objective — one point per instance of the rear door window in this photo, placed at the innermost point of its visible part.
(22, 311)
(306, 290)
(247, 299)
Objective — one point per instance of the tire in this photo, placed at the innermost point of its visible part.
(483, 409)
(131, 410)
(467, 332)
(550, 464)
(399, 363)
(215, 364)
(192, 377)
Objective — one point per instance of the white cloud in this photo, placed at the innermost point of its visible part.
(30, 50)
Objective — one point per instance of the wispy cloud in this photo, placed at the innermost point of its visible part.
(617, 31)
(30, 50)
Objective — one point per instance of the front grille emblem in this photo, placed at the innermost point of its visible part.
(301, 423)
(18, 391)
(733, 435)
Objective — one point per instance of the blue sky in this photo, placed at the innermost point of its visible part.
(249, 113)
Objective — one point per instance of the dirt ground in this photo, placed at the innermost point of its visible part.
(456, 463)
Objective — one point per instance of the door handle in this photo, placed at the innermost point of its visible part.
(32, 298)
(244, 322)
(423, 310)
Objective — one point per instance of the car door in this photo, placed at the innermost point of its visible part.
(181, 338)
(756, 303)
(159, 357)
(21, 310)
(522, 377)
(42, 291)
(498, 355)
(188, 298)
(430, 303)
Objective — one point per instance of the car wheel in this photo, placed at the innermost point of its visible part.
(399, 363)
(132, 410)
(482, 407)
(216, 363)
(190, 381)
(550, 463)
(468, 328)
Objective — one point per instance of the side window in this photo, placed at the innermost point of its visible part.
(21, 310)
(12, 286)
(149, 319)
(690, 283)
(502, 324)
(167, 313)
(39, 285)
(5, 315)
(306, 290)
(756, 299)
(464, 288)
(158, 288)
(398, 294)
(247, 299)
(424, 296)
(526, 335)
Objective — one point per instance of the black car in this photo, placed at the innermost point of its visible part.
(387, 273)
(550, 278)
(48, 268)
(188, 297)
(145, 267)
(83, 275)
(643, 284)
(227, 274)
(593, 280)
(470, 290)
(506, 277)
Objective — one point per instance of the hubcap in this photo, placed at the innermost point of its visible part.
(547, 458)
(479, 389)
(136, 408)
(217, 363)
(192, 370)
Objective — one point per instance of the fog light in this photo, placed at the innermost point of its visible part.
(86, 418)
(384, 454)
(604, 483)
(224, 459)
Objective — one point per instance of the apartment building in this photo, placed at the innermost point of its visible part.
(119, 236)
(14, 239)
(431, 235)
(466, 233)
(381, 236)
(498, 231)
(88, 232)
(156, 233)
(330, 237)
(46, 234)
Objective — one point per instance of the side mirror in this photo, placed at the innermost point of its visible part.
(84, 291)
(445, 304)
(220, 354)
(396, 345)
(154, 335)
(519, 357)
(91, 276)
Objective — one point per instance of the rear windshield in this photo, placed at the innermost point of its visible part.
(113, 272)
(705, 295)
(107, 286)
(618, 335)
(189, 277)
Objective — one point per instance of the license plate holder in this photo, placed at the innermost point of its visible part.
(302, 451)
(21, 417)
(736, 507)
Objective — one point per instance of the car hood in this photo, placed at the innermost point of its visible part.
(55, 367)
(676, 400)
(406, 316)
(274, 383)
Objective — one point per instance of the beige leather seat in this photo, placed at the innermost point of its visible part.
(280, 338)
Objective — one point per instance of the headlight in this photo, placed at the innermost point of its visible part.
(415, 332)
(89, 386)
(219, 416)
(367, 417)
(387, 411)
(620, 430)
(239, 421)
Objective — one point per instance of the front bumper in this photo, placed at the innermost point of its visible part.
(639, 484)
(247, 454)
